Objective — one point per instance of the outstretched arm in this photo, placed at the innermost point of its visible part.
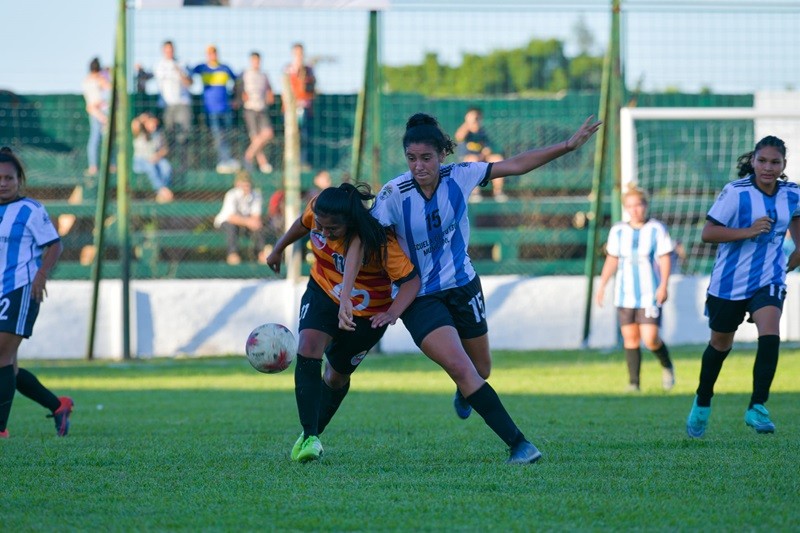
(527, 161)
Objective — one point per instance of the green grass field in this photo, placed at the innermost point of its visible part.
(203, 444)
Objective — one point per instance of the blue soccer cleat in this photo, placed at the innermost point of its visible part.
(698, 420)
(757, 417)
(463, 408)
(523, 453)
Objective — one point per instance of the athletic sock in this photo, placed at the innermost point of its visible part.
(30, 386)
(8, 385)
(633, 357)
(307, 392)
(709, 372)
(331, 400)
(662, 353)
(487, 404)
(764, 368)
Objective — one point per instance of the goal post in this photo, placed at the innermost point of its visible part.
(683, 156)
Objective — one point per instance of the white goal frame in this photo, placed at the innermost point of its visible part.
(629, 115)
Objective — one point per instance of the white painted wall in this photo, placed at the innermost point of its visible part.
(213, 317)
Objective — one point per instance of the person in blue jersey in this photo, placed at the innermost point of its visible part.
(639, 252)
(749, 221)
(427, 206)
(217, 77)
(29, 249)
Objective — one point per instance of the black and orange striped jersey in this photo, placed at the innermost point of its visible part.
(372, 291)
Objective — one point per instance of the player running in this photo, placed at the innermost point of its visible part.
(749, 220)
(427, 207)
(336, 219)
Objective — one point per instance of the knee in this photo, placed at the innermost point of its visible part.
(334, 379)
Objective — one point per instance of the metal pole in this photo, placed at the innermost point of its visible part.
(291, 176)
(598, 177)
(124, 156)
(100, 217)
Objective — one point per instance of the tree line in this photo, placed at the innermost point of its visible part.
(541, 66)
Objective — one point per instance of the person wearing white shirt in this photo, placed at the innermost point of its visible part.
(173, 86)
(242, 210)
(639, 252)
(257, 95)
(749, 222)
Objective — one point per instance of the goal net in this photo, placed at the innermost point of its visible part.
(683, 157)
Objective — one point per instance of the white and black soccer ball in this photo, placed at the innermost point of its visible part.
(270, 348)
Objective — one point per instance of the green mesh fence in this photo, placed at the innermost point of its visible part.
(532, 67)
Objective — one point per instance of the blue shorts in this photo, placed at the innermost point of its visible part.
(18, 311)
(461, 307)
(724, 316)
(347, 348)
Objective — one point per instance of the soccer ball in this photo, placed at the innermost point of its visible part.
(270, 348)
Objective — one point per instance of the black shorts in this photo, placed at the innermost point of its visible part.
(460, 307)
(639, 315)
(18, 312)
(347, 348)
(724, 316)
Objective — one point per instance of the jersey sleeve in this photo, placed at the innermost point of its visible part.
(307, 218)
(664, 244)
(471, 175)
(724, 210)
(42, 229)
(612, 246)
(386, 206)
(398, 265)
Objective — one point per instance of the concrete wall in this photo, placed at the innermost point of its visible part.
(213, 317)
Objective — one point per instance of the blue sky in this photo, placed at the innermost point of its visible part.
(48, 44)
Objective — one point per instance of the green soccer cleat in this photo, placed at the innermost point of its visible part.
(311, 450)
(698, 420)
(298, 444)
(757, 417)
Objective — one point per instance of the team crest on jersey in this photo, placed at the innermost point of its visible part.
(463, 164)
(386, 192)
(358, 358)
(723, 194)
(317, 239)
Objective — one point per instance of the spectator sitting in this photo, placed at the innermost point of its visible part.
(241, 211)
(150, 155)
(474, 146)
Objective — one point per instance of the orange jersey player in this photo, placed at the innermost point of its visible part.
(336, 220)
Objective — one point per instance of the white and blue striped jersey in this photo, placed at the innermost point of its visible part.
(638, 273)
(433, 233)
(743, 267)
(25, 230)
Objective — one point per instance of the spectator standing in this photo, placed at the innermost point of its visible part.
(303, 83)
(242, 211)
(95, 92)
(216, 102)
(257, 94)
(474, 146)
(150, 155)
(173, 87)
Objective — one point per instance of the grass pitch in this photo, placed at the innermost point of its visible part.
(203, 444)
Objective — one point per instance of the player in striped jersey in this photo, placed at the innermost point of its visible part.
(749, 220)
(427, 207)
(335, 219)
(639, 253)
(29, 249)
